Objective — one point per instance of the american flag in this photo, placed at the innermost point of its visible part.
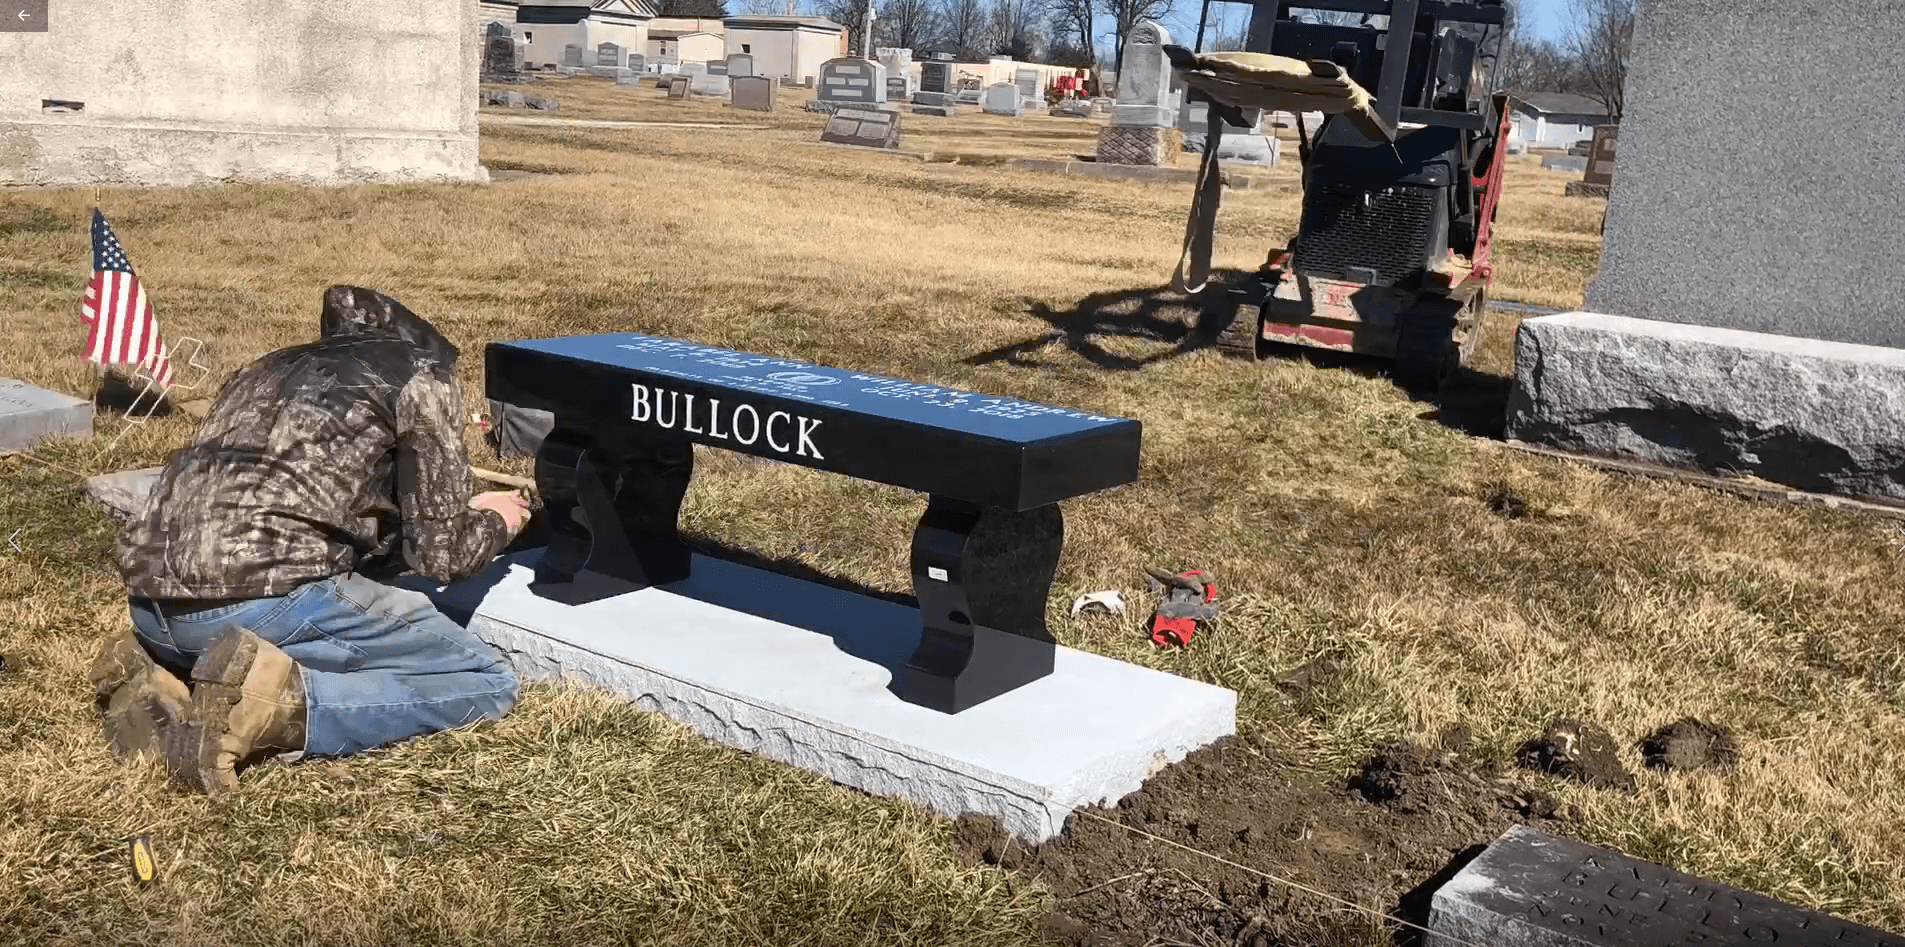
(122, 329)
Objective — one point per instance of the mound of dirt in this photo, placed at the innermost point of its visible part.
(1143, 872)
(1583, 752)
(1689, 743)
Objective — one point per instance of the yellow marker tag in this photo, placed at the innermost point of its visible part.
(143, 869)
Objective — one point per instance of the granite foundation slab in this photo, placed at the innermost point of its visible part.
(1575, 164)
(1532, 889)
(728, 652)
(1822, 416)
(30, 414)
(124, 492)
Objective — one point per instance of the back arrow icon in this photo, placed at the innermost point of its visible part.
(23, 14)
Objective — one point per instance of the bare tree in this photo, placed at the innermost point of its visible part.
(906, 24)
(966, 28)
(1074, 26)
(851, 14)
(1126, 15)
(1015, 29)
(758, 7)
(1603, 32)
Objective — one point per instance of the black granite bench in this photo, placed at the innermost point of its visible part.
(628, 408)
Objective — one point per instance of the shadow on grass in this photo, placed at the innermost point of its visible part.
(1142, 313)
(1472, 402)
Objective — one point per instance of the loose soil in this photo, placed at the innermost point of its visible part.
(1385, 837)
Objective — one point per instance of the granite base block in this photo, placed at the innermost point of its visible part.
(730, 653)
(124, 492)
(1827, 417)
(1532, 889)
(29, 413)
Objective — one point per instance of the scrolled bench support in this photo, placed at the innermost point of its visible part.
(982, 576)
(613, 506)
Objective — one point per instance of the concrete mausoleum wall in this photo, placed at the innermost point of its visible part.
(785, 47)
(175, 94)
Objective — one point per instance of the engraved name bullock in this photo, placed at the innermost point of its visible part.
(666, 408)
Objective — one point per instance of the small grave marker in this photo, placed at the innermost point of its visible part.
(1532, 889)
(754, 93)
(868, 128)
(29, 413)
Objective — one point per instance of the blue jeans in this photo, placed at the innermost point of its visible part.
(380, 664)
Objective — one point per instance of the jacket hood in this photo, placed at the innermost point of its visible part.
(352, 311)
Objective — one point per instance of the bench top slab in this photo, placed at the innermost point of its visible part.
(992, 450)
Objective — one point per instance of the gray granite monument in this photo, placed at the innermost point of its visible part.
(754, 93)
(1745, 315)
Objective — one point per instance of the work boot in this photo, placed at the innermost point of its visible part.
(140, 699)
(247, 697)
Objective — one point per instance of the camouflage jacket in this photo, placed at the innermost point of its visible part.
(319, 459)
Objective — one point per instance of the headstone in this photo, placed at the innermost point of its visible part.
(1532, 889)
(754, 93)
(710, 85)
(1564, 163)
(28, 414)
(1030, 88)
(848, 81)
(895, 88)
(628, 77)
(1002, 98)
(637, 63)
(609, 54)
(867, 127)
(935, 77)
(1713, 192)
(678, 86)
(1144, 79)
(717, 67)
(572, 56)
(691, 69)
(898, 63)
(969, 96)
(1600, 169)
(738, 65)
(502, 60)
(1072, 108)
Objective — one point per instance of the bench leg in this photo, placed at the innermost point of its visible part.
(982, 576)
(613, 511)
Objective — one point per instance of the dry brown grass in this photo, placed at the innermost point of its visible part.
(1337, 517)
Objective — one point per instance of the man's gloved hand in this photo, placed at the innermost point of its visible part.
(509, 504)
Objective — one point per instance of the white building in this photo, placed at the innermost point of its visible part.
(164, 94)
(686, 39)
(547, 28)
(790, 48)
(1556, 119)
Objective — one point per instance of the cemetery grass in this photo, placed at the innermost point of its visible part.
(1415, 578)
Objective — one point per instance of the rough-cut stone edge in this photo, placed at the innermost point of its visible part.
(1023, 809)
(1523, 421)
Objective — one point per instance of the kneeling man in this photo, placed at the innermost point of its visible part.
(249, 569)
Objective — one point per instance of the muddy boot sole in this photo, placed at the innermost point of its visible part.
(192, 747)
(118, 663)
